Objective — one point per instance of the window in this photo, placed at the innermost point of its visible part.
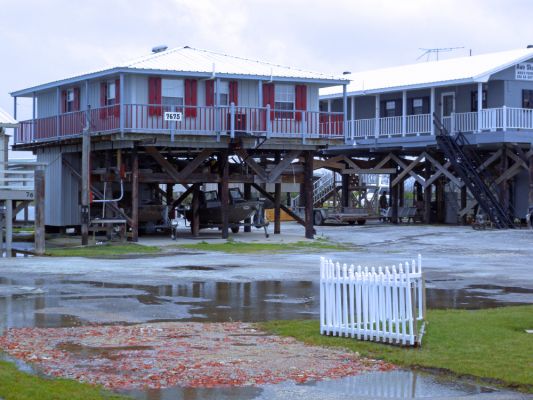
(284, 101)
(418, 106)
(473, 100)
(69, 100)
(172, 92)
(527, 98)
(390, 108)
(111, 93)
(223, 93)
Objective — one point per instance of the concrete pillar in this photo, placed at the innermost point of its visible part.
(9, 227)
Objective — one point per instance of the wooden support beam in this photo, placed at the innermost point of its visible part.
(195, 209)
(224, 193)
(383, 171)
(182, 197)
(277, 195)
(247, 158)
(308, 182)
(247, 194)
(407, 169)
(85, 186)
(179, 177)
(281, 166)
(441, 170)
(135, 195)
(39, 212)
(293, 215)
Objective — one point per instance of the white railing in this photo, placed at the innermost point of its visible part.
(390, 126)
(383, 305)
(322, 187)
(490, 119)
(418, 124)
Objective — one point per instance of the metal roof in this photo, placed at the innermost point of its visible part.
(190, 61)
(6, 120)
(461, 70)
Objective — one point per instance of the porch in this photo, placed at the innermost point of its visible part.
(187, 120)
(487, 120)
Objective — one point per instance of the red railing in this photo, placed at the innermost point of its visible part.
(144, 118)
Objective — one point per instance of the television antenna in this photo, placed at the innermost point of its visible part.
(435, 51)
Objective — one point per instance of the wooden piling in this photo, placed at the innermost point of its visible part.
(247, 195)
(277, 202)
(135, 195)
(85, 186)
(308, 183)
(224, 196)
(39, 212)
(195, 208)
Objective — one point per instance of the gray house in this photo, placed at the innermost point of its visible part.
(167, 108)
(488, 98)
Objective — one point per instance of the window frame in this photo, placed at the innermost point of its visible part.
(282, 97)
(527, 102)
(222, 90)
(473, 100)
(180, 89)
(69, 100)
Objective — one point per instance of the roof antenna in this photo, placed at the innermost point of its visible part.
(429, 52)
(159, 49)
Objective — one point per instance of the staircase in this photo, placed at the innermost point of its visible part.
(322, 189)
(466, 163)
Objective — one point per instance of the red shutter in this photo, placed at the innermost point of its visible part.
(77, 99)
(191, 97)
(234, 92)
(268, 97)
(116, 109)
(63, 101)
(301, 100)
(154, 96)
(210, 93)
(103, 98)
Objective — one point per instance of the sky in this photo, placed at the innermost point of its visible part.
(41, 41)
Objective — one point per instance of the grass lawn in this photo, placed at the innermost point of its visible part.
(489, 344)
(105, 250)
(16, 385)
(236, 247)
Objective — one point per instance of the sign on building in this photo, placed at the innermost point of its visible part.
(524, 72)
(173, 116)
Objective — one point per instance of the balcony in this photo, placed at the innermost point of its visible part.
(489, 120)
(189, 120)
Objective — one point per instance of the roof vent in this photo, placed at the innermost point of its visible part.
(346, 73)
(530, 46)
(159, 49)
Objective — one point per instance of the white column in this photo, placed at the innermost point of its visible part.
(404, 112)
(33, 114)
(352, 116)
(432, 110)
(479, 105)
(344, 113)
(376, 122)
(329, 105)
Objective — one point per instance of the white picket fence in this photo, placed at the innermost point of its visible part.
(384, 305)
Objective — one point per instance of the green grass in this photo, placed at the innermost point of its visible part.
(237, 247)
(490, 344)
(21, 229)
(17, 385)
(105, 250)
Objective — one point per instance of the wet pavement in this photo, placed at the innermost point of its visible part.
(464, 269)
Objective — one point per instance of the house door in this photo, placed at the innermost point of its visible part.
(447, 104)
(447, 107)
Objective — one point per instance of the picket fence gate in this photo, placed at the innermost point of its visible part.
(386, 304)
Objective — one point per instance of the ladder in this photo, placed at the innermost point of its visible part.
(467, 165)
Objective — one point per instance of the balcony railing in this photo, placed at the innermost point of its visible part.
(195, 120)
(491, 119)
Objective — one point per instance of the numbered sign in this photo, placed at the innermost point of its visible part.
(173, 116)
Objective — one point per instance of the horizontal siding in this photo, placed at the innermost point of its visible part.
(53, 197)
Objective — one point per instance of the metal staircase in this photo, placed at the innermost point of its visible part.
(322, 189)
(466, 163)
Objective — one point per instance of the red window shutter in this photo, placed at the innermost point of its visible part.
(103, 99)
(234, 92)
(116, 109)
(210, 93)
(191, 97)
(268, 97)
(63, 101)
(154, 96)
(77, 99)
(301, 100)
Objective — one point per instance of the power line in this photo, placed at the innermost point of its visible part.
(429, 52)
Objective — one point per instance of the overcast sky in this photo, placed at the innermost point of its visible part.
(42, 41)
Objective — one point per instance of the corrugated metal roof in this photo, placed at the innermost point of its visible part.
(6, 120)
(435, 73)
(202, 62)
